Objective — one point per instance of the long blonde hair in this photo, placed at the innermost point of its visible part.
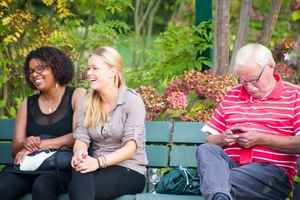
(93, 104)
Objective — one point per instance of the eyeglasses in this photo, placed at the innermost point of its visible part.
(39, 69)
(252, 80)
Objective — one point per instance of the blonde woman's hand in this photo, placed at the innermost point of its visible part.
(78, 157)
(89, 164)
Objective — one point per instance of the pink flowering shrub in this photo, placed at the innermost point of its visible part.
(177, 100)
(190, 98)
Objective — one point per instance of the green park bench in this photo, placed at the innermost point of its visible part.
(167, 145)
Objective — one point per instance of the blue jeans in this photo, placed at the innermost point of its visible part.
(254, 181)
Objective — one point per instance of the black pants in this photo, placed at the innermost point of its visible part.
(41, 186)
(107, 183)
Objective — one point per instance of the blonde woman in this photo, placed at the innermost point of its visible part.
(111, 118)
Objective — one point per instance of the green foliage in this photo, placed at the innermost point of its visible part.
(296, 15)
(174, 51)
(286, 26)
(23, 27)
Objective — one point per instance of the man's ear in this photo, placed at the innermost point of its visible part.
(272, 66)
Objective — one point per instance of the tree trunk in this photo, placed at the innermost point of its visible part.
(143, 17)
(242, 31)
(221, 51)
(150, 23)
(270, 22)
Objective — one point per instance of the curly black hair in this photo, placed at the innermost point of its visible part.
(60, 64)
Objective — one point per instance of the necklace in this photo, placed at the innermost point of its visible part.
(50, 107)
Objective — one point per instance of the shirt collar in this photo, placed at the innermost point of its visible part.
(121, 95)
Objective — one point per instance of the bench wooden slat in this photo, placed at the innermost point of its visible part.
(6, 129)
(5, 153)
(158, 136)
(6, 135)
(188, 133)
(183, 155)
(66, 197)
(158, 156)
(186, 137)
(147, 196)
(158, 131)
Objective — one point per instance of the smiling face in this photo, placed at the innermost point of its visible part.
(100, 74)
(40, 75)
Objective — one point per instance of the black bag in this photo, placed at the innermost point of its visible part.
(179, 180)
(45, 159)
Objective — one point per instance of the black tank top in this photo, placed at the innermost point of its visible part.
(57, 123)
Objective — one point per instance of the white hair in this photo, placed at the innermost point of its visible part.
(257, 52)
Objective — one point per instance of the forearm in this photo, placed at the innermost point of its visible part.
(56, 143)
(126, 152)
(79, 145)
(286, 144)
(215, 139)
(16, 148)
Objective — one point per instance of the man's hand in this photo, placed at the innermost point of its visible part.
(248, 139)
(228, 138)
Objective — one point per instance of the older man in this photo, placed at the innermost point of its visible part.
(252, 144)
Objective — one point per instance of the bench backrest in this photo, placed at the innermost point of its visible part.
(186, 137)
(6, 134)
(162, 151)
(158, 137)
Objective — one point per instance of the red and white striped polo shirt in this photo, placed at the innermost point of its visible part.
(278, 114)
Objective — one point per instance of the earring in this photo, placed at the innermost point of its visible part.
(56, 85)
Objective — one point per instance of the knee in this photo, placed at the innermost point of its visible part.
(205, 150)
(40, 188)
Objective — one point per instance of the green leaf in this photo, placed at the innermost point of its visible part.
(197, 106)
(2, 103)
(12, 111)
(296, 15)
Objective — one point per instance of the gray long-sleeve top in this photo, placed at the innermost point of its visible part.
(126, 121)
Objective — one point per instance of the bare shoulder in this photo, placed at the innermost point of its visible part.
(22, 111)
(23, 106)
(77, 96)
(80, 92)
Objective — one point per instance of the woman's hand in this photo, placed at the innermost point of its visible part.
(32, 143)
(88, 164)
(78, 157)
(21, 156)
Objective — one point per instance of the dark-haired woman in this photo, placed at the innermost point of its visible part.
(52, 111)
